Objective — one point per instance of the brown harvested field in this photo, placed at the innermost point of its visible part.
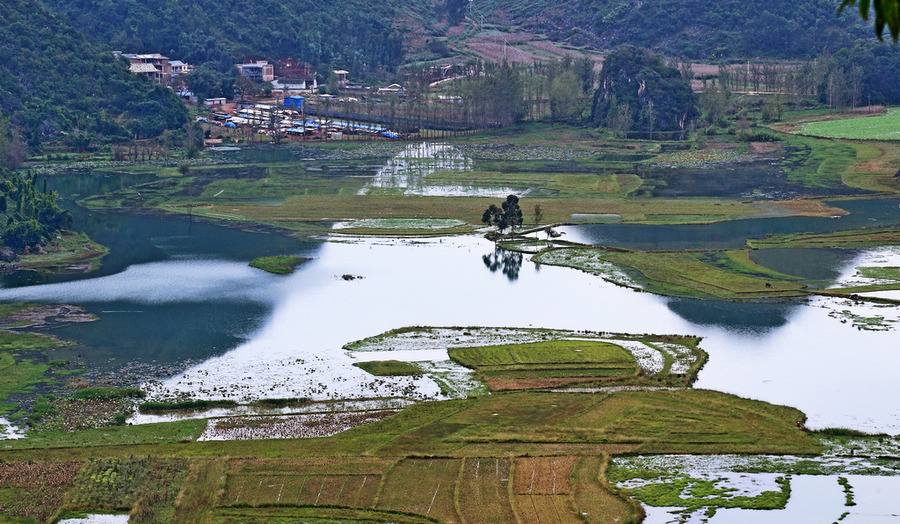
(509, 384)
(316, 490)
(424, 486)
(351, 481)
(312, 466)
(484, 491)
(552, 509)
(524, 48)
(594, 502)
(543, 475)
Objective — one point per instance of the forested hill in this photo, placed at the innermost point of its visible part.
(55, 84)
(698, 29)
(353, 34)
(368, 36)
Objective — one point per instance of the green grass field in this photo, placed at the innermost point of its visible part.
(882, 127)
(547, 363)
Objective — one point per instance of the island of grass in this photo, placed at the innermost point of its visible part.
(68, 252)
(716, 274)
(389, 368)
(279, 264)
(527, 358)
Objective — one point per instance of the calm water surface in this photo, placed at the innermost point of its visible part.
(182, 294)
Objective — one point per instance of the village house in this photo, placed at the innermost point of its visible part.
(180, 68)
(154, 66)
(259, 70)
(301, 84)
(341, 75)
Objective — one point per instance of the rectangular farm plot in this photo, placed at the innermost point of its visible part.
(484, 491)
(542, 489)
(543, 475)
(316, 490)
(552, 509)
(423, 486)
(547, 363)
(547, 352)
(593, 501)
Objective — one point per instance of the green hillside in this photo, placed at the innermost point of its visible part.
(353, 34)
(54, 83)
(697, 29)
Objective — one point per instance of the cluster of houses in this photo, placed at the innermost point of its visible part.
(289, 78)
(290, 120)
(286, 76)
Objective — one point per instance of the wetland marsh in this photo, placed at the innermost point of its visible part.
(192, 319)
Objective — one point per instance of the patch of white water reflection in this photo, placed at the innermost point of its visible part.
(97, 518)
(407, 173)
(10, 431)
(161, 282)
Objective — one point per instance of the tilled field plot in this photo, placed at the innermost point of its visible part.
(318, 481)
(424, 486)
(345, 490)
(543, 475)
(484, 491)
(541, 489)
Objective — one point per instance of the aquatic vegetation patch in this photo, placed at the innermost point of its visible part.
(75, 414)
(279, 264)
(879, 273)
(589, 260)
(863, 238)
(701, 158)
(864, 322)
(383, 368)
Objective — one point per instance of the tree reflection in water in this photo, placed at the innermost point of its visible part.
(509, 262)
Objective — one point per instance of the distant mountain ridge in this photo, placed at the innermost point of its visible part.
(371, 36)
(695, 29)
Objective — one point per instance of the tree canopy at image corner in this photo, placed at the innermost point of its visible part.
(887, 15)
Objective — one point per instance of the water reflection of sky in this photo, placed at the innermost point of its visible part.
(788, 353)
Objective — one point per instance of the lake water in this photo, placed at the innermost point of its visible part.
(177, 298)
